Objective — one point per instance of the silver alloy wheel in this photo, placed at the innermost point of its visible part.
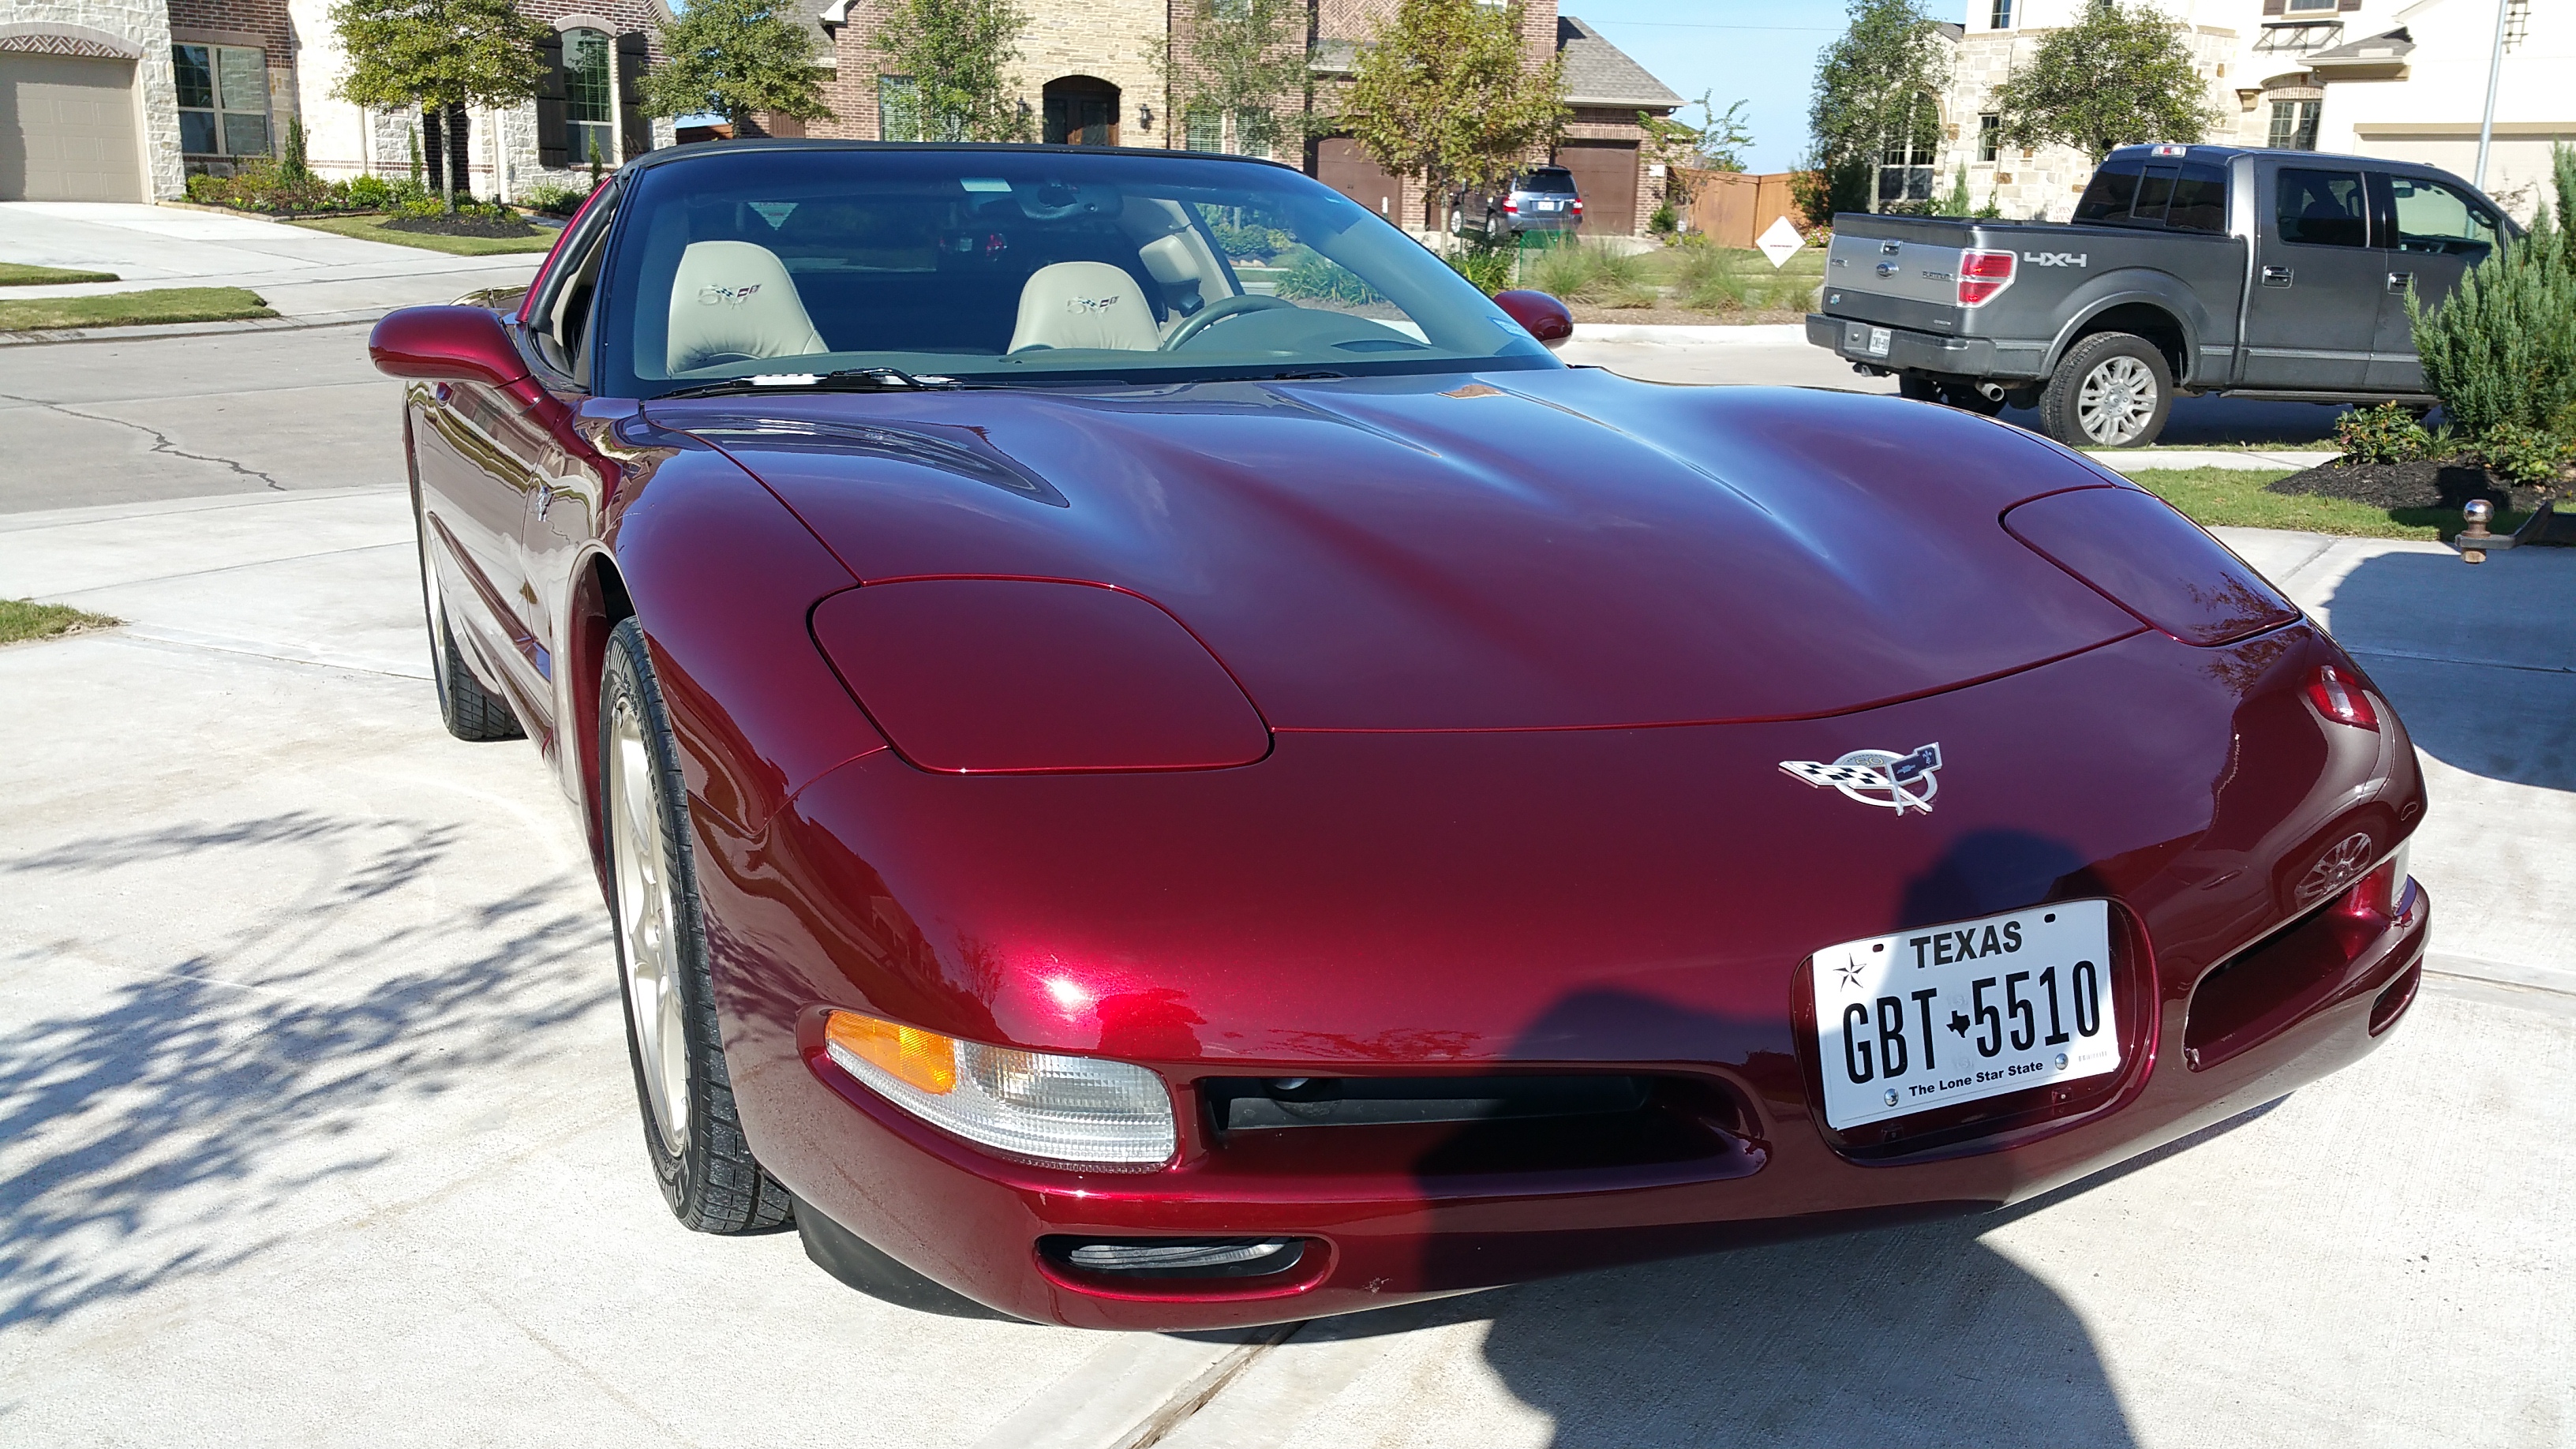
(2117, 401)
(2339, 867)
(646, 953)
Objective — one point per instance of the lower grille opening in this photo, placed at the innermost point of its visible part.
(2395, 998)
(1176, 1257)
(1254, 1104)
(1463, 1126)
(2256, 994)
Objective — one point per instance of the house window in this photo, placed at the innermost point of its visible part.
(1990, 136)
(2294, 125)
(223, 99)
(2000, 18)
(589, 108)
(1255, 133)
(898, 108)
(1204, 131)
(1905, 161)
(2303, 6)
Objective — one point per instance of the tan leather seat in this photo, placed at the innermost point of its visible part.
(732, 301)
(1084, 304)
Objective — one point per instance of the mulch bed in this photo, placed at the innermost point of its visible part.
(461, 226)
(2443, 483)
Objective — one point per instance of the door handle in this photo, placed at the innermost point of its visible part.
(2398, 282)
(2276, 276)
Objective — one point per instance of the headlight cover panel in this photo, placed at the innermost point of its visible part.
(1022, 676)
(2136, 551)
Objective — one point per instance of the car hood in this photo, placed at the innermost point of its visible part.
(1513, 550)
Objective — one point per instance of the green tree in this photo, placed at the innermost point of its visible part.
(1443, 91)
(2119, 76)
(1873, 86)
(1242, 58)
(2500, 351)
(413, 55)
(1717, 145)
(734, 57)
(954, 58)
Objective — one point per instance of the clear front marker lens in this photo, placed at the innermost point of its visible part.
(1058, 1110)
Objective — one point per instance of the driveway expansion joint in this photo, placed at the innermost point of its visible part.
(161, 442)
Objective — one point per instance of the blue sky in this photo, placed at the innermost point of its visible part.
(1736, 49)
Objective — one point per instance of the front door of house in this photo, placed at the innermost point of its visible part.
(1081, 114)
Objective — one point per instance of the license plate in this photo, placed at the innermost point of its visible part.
(1879, 337)
(1949, 1014)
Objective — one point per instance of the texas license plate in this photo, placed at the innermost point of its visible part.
(1949, 1014)
(1879, 337)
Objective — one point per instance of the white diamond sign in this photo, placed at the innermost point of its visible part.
(1781, 242)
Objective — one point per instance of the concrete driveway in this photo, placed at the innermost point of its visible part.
(304, 274)
(316, 1125)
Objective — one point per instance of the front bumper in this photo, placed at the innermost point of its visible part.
(1580, 905)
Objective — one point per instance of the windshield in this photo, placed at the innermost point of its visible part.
(1014, 264)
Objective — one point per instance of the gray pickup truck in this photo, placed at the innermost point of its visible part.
(2187, 269)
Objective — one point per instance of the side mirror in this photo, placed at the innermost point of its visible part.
(1541, 315)
(461, 344)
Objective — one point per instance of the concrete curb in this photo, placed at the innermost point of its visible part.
(2141, 460)
(1678, 334)
(193, 329)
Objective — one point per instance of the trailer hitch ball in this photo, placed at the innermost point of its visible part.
(2479, 513)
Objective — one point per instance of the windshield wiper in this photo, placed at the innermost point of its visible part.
(848, 379)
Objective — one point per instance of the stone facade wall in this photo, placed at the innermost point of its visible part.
(2041, 183)
(140, 28)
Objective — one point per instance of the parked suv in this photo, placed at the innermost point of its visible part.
(1542, 198)
(2187, 269)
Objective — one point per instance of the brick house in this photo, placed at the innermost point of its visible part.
(121, 100)
(1089, 74)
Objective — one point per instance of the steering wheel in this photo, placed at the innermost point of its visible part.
(1216, 312)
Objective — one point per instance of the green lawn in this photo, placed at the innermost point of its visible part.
(372, 228)
(2234, 497)
(19, 274)
(128, 309)
(21, 620)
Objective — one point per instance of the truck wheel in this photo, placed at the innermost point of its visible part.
(2111, 390)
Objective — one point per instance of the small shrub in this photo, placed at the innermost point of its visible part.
(2384, 434)
(1489, 267)
(1250, 241)
(2525, 454)
(1664, 221)
(553, 200)
(371, 192)
(1313, 278)
(2502, 348)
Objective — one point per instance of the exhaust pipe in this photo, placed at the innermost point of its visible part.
(1991, 391)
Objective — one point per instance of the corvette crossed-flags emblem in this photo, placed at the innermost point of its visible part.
(1878, 777)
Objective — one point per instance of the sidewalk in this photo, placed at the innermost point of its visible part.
(309, 277)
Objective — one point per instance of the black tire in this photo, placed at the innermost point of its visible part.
(469, 711)
(1917, 388)
(2110, 390)
(709, 1177)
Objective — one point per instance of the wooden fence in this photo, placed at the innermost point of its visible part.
(1731, 208)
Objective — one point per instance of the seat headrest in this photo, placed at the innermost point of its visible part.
(1084, 304)
(1169, 260)
(732, 301)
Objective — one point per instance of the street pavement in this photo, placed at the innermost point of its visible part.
(304, 275)
(316, 1125)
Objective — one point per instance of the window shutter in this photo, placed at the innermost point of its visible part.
(553, 150)
(2273, 7)
(633, 126)
(433, 147)
(2347, 6)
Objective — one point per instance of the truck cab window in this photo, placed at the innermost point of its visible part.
(2320, 208)
(2199, 200)
(2108, 197)
(2432, 217)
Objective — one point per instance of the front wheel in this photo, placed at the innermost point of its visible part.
(691, 1132)
(2111, 390)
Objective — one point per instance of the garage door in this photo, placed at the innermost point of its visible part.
(1605, 172)
(67, 129)
(1341, 164)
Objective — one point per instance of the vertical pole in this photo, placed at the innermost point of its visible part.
(2495, 71)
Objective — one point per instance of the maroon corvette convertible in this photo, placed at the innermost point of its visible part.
(1159, 762)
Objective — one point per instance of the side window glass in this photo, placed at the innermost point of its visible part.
(2199, 200)
(565, 328)
(2109, 195)
(2432, 217)
(2320, 208)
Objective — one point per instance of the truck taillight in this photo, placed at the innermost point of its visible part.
(1982, 275)
(1511, 205)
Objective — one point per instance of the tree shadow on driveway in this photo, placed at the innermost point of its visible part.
(168, 1115)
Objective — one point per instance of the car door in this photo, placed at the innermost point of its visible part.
(474, 484)
(2437, 232)
(2312, 315)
